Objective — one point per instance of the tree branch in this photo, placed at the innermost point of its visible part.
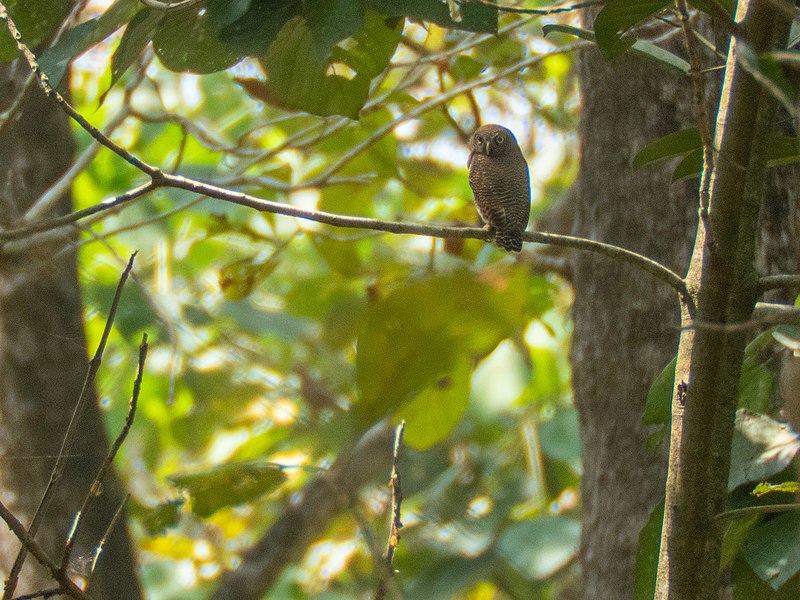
(70, 435)
(109, 459)
(302, 522)
(553, 10)
(32, 546)
(161, 179)
(165, 180)
(774, 282)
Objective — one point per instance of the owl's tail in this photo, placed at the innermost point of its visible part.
(511, 242)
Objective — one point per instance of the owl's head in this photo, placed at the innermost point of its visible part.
(492, 140)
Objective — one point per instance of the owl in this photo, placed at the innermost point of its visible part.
(498, 176)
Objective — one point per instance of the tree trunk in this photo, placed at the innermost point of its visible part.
(626, 322)
(43, 361)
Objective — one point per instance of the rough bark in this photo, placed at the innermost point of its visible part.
(722, 284)
(43, 360)
(626, 325)
(625, 321)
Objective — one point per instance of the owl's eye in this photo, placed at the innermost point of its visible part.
(478, 139)
(500, 139)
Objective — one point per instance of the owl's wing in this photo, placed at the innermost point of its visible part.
(469, 160)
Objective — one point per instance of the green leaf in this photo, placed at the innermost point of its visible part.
(736, 534)
(660, 55)
(785, 487)
(433, 414)
(616, 17)
(669, 146)
(769, 74)
(239, 278)
(228, 485)
(755, 385)
(472, 16)
(55, 60)
(772, 550)
(540, 547)
(164, 516)
(332, 21)
(584, 34)
(421, 333)
(297, 79)
(780, 151)
(137, 35)
(559, 437)
(276, 324)
(690, 166)
(248, 27)
(783, 151)
(36, 20)
(658, 406)
(188, 40)
(638, 47)
(644, 585)
(761, 448)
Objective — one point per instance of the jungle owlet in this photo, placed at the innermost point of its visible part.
(498, 176)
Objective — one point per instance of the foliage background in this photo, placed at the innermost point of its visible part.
(276, 342)
(265, 329)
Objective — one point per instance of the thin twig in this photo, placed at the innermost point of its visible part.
(70, 435)
(395, 525)
(166, 180)
(66, 106)
(57, 190)
(775, 282)
(540, 11)
(765, 314)
(700, 105)
(31, 545)
(757, 510)
(160, 179)
(111, 526)
(46, 225)
(109, 459)
(6, 115)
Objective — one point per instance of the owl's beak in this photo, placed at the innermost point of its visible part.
(488, 147)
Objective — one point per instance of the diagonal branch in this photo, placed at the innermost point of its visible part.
(109, 459)
(70, 435)
(30, 544)
(161, 179)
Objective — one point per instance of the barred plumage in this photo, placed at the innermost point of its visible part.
(498, 176)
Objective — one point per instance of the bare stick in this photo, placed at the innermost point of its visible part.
(166, 180)
(66, 106)
(56, 222)
(700, 105)
(395, 525)
(99, 549)
(553, 10)
(30, 544)
(774, 282)
(160, 179)
(69, 437)
(757, 510)
(112, 452)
